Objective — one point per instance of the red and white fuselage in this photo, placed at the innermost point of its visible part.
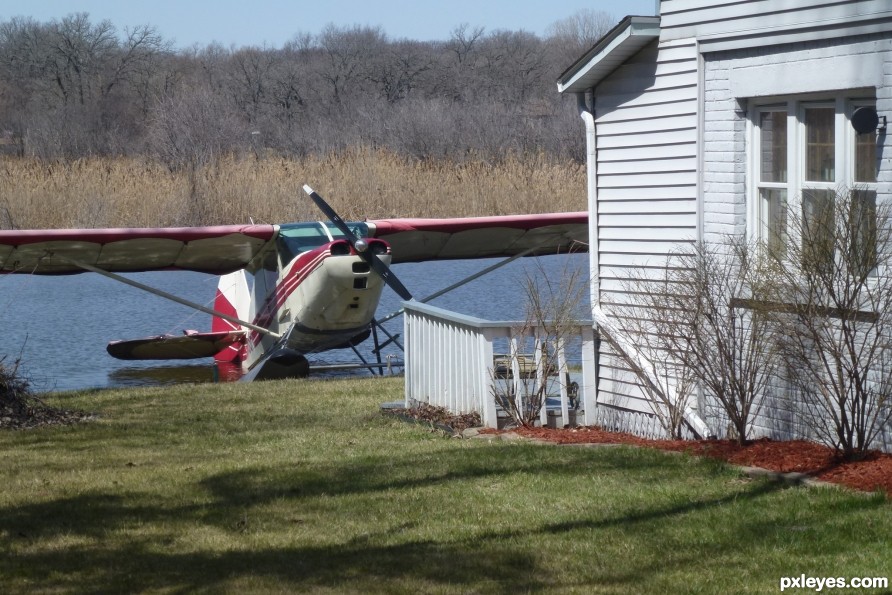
(321, 299)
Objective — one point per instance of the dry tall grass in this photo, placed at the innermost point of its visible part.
(362, 183)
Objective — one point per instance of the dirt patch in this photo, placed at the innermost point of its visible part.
(21, 410)
(872, 473)
(37, 414)
(438, 417)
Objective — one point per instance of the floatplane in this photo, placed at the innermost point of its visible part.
(286, 290)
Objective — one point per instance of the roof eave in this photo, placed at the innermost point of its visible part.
(628, 37)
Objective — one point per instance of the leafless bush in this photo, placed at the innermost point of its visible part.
(536, 347)
(21, 409)
(836, 315)
(14, 389)
(731, 343)
(195, 129)
(640, 333)
(700, 321)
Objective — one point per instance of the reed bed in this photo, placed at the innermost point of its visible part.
(360, 183)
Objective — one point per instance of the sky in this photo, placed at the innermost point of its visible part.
(274, 22)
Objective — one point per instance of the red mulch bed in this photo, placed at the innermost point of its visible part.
(874, 472)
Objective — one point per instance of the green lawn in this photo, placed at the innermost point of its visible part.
(305, 486)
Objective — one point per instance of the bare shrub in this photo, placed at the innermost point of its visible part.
(195, 128)
(701, 321)
(522, 377)
(639, 332)
(14, 389)
(21, 409)
(836, 315)
(732, 346)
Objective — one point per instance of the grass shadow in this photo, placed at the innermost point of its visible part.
(495, 559)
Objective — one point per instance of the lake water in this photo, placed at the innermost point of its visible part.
(59, 326)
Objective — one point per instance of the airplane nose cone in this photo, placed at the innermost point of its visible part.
(361, 245)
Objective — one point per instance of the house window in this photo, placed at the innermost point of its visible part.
(772, 175)
(803, 152)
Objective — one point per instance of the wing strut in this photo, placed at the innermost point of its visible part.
(465, 281)
(171, 297)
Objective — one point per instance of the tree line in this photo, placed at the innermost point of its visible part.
(72, 88)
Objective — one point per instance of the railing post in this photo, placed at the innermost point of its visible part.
(589, 386)
(409, 371)
(486, 375)
(561, 369)
(514, 349)
(541, 379)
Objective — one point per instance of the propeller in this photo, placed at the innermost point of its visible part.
(360, 245)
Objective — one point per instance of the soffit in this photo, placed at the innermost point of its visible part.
(621, 43)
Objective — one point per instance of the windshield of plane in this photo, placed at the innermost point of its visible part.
(295, 238)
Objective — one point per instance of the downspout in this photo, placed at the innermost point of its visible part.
(591, 165)
(585, 103)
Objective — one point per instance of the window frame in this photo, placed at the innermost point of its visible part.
(845, 138)
(759, 206)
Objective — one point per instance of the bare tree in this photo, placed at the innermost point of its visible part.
(459, 62)
(398, 70)
(74, 87)
(75, 82)
(80, 52)
(464, 41)
(514, 66)
(140, 73)
(249, 80)
(577, 33)
(288, 93)
(137, 56)
(155, 75)
(346, 51)
(23, 53)
(836, 315)
(210, 67)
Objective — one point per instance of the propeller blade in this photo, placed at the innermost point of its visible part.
(384, 271)
(377, 265)
(331, 214)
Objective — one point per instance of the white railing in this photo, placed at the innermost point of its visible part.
(449, 362)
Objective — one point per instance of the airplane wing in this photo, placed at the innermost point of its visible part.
(216, 250)
(417, 240)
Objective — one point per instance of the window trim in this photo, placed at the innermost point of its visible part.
(844, 103)
(758, 209)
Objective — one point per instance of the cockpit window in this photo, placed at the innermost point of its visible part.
(295, 238)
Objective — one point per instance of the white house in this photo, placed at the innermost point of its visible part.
(711, 117)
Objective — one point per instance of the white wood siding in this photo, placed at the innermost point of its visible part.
(730, 79)
(646, 121)
(732, 24)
